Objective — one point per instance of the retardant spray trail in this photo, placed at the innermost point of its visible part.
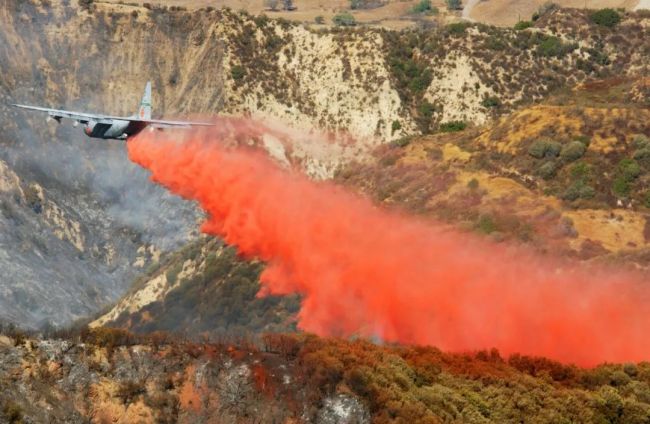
(365, 271)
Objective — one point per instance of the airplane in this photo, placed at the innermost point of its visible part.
(115, 127)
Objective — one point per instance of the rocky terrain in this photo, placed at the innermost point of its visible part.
(111, 376)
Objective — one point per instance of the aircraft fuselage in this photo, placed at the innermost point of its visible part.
(114, 129)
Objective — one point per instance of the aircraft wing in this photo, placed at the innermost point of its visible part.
(157, 123)
(107, 119)
(78, 116)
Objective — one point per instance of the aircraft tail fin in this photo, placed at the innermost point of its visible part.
(145, 105)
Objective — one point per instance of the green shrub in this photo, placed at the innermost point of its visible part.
(579, 190)
(580, 171)
(473, 184)
(424, 6)
(319, 20)
(642, 156)
(344, 19)
(606, 17)
(172, 274)
(453, 126)
(402, 141)
(620, 186)
(521, 25)
(631, 369)
(552, 46)
(421, 82)
(491, 102)
(640, 141)
(486, 224)
(495, 43)
(395, 126)
(237, 72)
(457, 28)
(584, 139)
(547, 170)
(629, 169)
(646, 199)
(544, 149)
(572, 151)
(426, 110)
(620, 378)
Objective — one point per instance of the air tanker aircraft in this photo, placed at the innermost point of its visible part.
(115, 127)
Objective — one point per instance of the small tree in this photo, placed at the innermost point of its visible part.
(424, 6)
(453, 126)
(572, 151)
(606, 17)
(579, 190)
(628, 170)
(521, 25)
(544, 149)
(547, 170)
(237, 72)
(491, 102)
(395, 126)
(344, 19)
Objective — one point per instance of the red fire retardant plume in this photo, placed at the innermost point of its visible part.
(365, 271)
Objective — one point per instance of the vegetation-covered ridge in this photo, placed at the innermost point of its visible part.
(202, 289)
(569, 175)
(106, 375)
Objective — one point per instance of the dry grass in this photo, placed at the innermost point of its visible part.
(615, 231)
(608, 128)
(508, 12)
(394, 14)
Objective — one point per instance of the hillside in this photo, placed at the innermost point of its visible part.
(398, 15)
(567, 175)
(369, 85)
(202, 290)
(493, 181)
(109, 376)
